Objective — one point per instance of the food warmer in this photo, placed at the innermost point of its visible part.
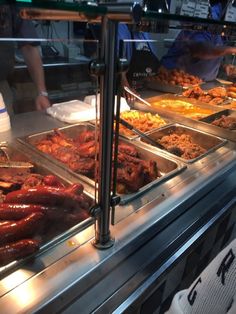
(134, 251)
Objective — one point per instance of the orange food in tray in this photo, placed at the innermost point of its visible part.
(143, 121)
(176, 77)
(183, 108)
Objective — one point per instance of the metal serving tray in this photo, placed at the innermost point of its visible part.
(167, 166)
(225, 133)
(207, 141)
(58, 232)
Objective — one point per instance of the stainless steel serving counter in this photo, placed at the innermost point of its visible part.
(169, 221)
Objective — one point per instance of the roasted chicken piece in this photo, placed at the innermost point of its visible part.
(84, 137)
(87, 149)
(218, 92)
(128, 149)
(132, 176)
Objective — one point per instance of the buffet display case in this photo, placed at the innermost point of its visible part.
(148, 220)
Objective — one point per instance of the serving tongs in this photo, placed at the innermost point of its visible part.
(5, 161)
(128, 90)
(16, 164)
(173, 150)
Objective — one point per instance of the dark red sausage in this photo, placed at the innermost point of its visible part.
(21, 228)
(52, 180)
(18, 211)
(75, 189)
(44, 195)
(5, 222)
(11, 252)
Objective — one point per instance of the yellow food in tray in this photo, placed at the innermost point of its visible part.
(144, 121)
(183, 108)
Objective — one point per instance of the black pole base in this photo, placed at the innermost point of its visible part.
(103, 246)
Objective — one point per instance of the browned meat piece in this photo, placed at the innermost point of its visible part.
(14, 175)
(65, 154)
(188, 93)
(132, 176)
(128, 149)
(149, 166)
(60, 138)
(32, 180)
(85, 166)
(205, 98)
(218, 92)
(226, 122)
(87, 149)
(84, 137)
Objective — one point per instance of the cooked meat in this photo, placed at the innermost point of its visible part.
(128, 149)
(87, 149)
(218, 92)
(185, 143)
(14, 175)
(214, 96)
(132, 173)
(84, 137)
(226, 122)
(132, 176)
(32, 180)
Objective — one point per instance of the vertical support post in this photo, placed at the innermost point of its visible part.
(108, 53)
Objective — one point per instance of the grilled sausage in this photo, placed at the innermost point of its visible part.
(5, 222)
(19, 211)
(16, 250)
(44, 195)
(21, 228)
(52, 180)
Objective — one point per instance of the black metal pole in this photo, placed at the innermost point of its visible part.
(108, 53)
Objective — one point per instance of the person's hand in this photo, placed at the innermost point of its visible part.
(130, 98)
(42, 102)
(230, 70)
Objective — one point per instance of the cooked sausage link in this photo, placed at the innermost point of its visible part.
(21, 228)
(13, 251)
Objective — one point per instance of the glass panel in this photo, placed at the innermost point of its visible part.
(52, 139)
(82, 6)
(175, 72)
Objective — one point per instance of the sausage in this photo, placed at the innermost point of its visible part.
(19, 211)
(21, 228)
(12, 251)
(75, 189)
(44, 195)
(6, 222)
(52, 180)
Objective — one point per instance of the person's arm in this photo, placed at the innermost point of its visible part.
(34, 64)
(206, 50)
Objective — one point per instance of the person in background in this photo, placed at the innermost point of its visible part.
(214, 290)
(136, 46)
(230, 71)
(12, 26)
(199, 53)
